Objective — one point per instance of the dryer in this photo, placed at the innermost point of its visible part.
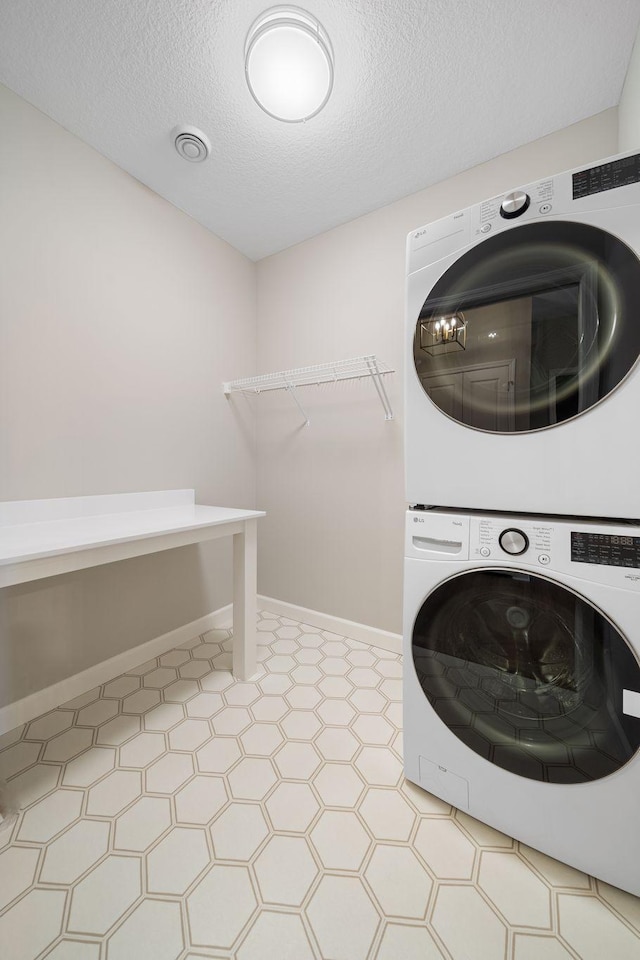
(522, 341)
(522, 679)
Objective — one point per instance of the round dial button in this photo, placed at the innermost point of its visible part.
(514, 204)
(513, 541)
(485, 552)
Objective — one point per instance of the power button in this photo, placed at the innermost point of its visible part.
(485, 552)
(544, 558)
(544, 208)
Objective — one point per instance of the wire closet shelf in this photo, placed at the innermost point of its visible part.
(357, 368)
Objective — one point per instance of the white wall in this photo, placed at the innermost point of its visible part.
(119, 319)
(334, 491)
(629, 106)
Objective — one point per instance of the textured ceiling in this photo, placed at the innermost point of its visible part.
(423, 90)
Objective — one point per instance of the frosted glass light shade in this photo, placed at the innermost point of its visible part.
(289, 64)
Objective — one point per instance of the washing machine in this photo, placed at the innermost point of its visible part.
(522, 382)
(522, 679)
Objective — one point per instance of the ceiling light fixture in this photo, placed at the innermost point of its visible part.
(289, 64)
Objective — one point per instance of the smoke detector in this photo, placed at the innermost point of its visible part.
(192, 144)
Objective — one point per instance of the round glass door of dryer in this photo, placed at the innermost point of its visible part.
(528, 674)
(530, 328)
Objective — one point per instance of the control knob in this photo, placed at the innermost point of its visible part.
(514, 204)
(513, 541)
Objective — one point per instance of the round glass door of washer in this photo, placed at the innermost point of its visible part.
(528, 674)
(530, 328)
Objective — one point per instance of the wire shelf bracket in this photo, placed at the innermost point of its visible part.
(358, 368)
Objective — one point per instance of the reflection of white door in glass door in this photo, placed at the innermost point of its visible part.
(480, 396)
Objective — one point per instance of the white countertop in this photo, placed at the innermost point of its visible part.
(30, 541)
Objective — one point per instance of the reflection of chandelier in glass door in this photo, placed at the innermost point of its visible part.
(443, 333)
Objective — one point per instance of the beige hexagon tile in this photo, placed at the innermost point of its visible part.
(269, 708)
(49, 816)
(157, 925)
(114, 793)
(17, 872)
(593, 931)
(308, 656)
(335, 648)
(231, 721)
(387, 814)
(141, 701)
(242, 694)
(280, 935)
(623, 903)
(445, 849)
(301, 725)
(146, 820)
(181, 691)
(194, 669)
(261, 739)
(292, 807)
(310, 641)
(392, 689)
(142, 750)
(303, 698)
(238, 831)
(35, 783)
(340, 840)
(75, 851)
(338, 785)
(217, 681)
(117, 731)
(21, 938)
(200, 800)
(12, 736)
(159, 678)
(368, 701)
(49, 725)
(176, 861)
(399, 882)
(336, 712)
(337, 687)
(306, 674)
(361, 658)
(143, 668)
(89, 767)
(336, 743)
(297, 761)
(164, 717)
(482, 935)
(379, 766)
(204, 705)
(189, 735)
(527, 946)
(373, 730)
(104, 895)
(206, 651)
(229, 887)
(169, 772)
(67, 745)
(481, 833)
(401, 941)
(279, 663)
(97, 713)
(121, 687)
(219, 755)
(285, 871)
(391, 669)
(75, 950)
(268, 625)
(17, 758)
(251, 778)
(393, 713)
(424, 802)
(332, 667)
(554, 872)
(175, 658)
(522, 899)
(343, 918)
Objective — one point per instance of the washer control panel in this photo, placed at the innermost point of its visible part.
(498, 538)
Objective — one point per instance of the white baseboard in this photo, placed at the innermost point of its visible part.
(22, 711)
(345, 628)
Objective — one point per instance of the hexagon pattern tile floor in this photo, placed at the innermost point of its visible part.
(175, 814)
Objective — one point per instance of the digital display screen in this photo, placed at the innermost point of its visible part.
(606, 176)
(612, 551)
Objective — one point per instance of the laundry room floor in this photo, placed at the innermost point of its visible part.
(175, 814)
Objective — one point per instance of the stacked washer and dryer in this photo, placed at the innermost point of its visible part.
(522, 549)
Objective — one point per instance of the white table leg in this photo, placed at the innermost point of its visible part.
(245, 586)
